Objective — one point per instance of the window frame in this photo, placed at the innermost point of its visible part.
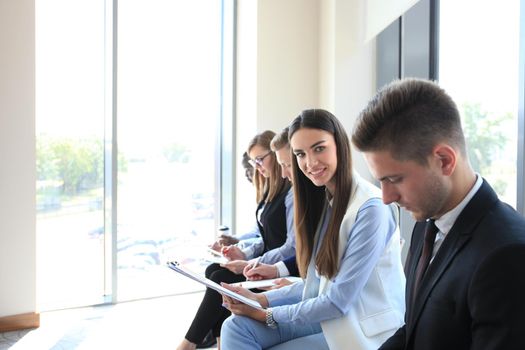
(224, 170)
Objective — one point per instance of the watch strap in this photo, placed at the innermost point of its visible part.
(270, 322)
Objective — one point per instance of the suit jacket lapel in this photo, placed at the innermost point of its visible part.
(413, 258)
(453, 243)
(459, 235)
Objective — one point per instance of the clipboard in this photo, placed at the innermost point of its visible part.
(215, 257)
(265, 283)
(209, 283)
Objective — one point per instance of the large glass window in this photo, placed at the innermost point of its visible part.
(167, 127)
(478, 65)
(168, 111)
(70, 152)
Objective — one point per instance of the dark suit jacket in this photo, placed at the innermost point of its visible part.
(272, 223)
(473, 293)
(291, 265)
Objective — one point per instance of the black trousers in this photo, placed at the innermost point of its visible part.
(211, 314)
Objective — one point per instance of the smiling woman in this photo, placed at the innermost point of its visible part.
(348, 253)
(318, 161)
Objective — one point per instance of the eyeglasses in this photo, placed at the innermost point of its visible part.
(258, 160)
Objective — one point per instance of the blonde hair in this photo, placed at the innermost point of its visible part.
(274, 184)
(280, 140)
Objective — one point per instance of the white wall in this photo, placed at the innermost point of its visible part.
(347, 65)
(17, 158)
(277, 63)
(277, 74)
(298, 54)
(288, 60)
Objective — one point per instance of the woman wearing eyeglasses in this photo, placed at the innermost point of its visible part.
(276, 242)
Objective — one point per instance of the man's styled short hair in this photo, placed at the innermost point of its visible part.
(408, 118)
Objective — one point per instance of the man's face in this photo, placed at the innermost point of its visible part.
(421, 189)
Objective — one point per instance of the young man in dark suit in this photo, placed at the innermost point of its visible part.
(465, 280)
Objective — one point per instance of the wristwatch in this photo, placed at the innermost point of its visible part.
(270, 322)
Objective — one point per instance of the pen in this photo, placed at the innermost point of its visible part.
(256, 263)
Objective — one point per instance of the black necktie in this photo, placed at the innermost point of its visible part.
(426, 254)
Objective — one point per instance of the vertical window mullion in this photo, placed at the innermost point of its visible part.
(520, 196)
(110, 151)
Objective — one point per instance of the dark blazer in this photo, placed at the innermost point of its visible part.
(272, 225)
(291, 265)
(473, 293)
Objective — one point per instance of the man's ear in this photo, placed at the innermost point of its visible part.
(446, 157)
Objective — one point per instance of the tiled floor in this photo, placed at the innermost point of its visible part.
(147, 324)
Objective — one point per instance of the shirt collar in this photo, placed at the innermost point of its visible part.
(447, 220)
(329, 197)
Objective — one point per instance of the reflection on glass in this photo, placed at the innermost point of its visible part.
(69, 152)
(478, 66)
(168, 112)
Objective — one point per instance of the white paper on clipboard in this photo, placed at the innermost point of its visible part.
(215, 257)
(265, 283)
(213, 251)
(209, 283)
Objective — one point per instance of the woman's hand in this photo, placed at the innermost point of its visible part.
(226, 240)
(233, 252)
(239, 308)
(260, 272)
(223, 241)
(216, 246)
(279, 283)
(235, 266)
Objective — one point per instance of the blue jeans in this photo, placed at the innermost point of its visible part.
(239, 332)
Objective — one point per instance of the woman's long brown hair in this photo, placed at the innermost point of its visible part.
(309, 200)
(274, 184)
